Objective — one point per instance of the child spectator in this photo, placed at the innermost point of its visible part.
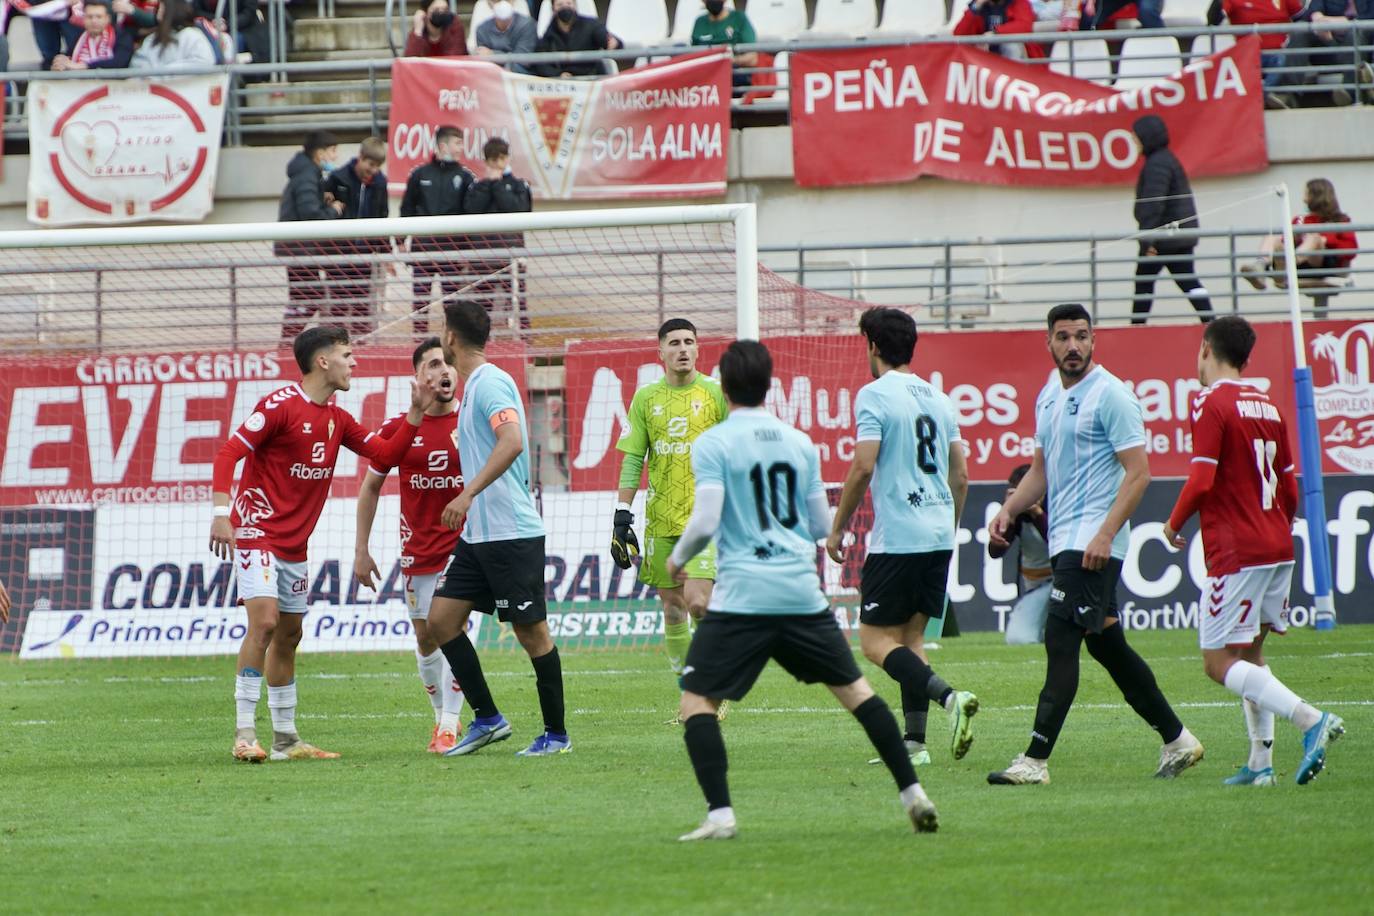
(1026, 625)
(361, 187)
(1001, 17)
(1320, 254)
(436, 32)
(102, 46)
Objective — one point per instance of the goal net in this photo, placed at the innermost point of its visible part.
(129, 356)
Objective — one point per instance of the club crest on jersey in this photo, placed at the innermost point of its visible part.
(696, 407)
(658, 410)
(1071, 406)
(305, 429)
(453, 437)
(331, 429)
(418, 443)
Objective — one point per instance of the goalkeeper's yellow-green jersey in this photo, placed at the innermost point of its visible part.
(664, 421)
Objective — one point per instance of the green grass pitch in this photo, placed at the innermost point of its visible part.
(117, 794)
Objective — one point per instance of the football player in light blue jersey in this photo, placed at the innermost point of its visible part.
(759, 493)
(1090, 456)
(909, 447)
(498, 564)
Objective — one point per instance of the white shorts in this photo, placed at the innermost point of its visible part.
(262, 575)
(420, 594)
(1234, 607)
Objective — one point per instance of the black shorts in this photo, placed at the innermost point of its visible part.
(729, 652)
(1084, 597)
(505, 577)
(895, 587)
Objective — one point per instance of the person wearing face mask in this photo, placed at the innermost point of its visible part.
(436, 32)
(361, 187)
(303, 199)
(719, 26)
(571, 32)
(436, 188)
(498, 191)
(507, 32)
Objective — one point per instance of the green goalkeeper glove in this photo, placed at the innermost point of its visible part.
(624, 544)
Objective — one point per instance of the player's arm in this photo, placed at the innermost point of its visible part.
(957, 478)
(256, 430)
(364, 566)
(817, 506)
(869, 436)
(505, 422)
(1202, 471)
(634, 445)
(1027, 494)
(384, 450)
(1137, 466)
(1289, 495)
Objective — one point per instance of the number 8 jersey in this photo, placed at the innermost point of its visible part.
(915, 425)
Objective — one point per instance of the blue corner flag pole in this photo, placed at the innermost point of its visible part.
(1309, 444)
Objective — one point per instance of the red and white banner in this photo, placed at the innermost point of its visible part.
(993, 378)
(889, 114)
(144, 429)
(124, 151)
(658, 131)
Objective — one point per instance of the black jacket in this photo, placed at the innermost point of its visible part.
(1163, 196)
(586, 34)
(437, 188)
(123, 52)
(360, 201)
(506, 194)
(303, 196)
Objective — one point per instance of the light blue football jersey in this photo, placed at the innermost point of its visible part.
(505, 510)
(914, 424)
(1079, 430)
(765, 557)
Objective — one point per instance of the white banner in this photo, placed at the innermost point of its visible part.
(124, 151)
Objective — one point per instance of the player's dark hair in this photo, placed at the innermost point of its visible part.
(317, 140)
(448, 130)
(746, 371)
(1018, 474)
(675, 324)
(311, 341)
(469, 320)
(429, 343)
(1231, 338)
(1068, 311)
(495, 148)
(892, 331)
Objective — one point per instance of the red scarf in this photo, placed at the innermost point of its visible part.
(90, 49)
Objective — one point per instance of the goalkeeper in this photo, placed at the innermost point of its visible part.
(665, 418)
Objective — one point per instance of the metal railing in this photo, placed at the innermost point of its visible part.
(272, 98)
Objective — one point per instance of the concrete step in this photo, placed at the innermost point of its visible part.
(353, 9)
(361, 33)
(381, 54)
(320, 92)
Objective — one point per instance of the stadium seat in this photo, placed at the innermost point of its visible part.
(777, 20)
(843, 19)
(1086, 59)
(1213, 44)
(956, 12)
(584, 8)
(481, 12)
(1146, 58)
(783, 76)
(1183, 13)
(924, 17)
(688, 11)
(638, 23)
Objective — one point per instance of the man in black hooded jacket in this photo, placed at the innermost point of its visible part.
(436, 188)
(303, 199)
(1164, 200)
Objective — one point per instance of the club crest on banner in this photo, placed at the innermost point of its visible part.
(1345, 404)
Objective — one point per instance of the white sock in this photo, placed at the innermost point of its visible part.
(721, 815)
(911, 794)
(281, 701)
(432, 668)
(247, 692)
(1259, 724)
(1251, 682)
(1185, 739)
(452, 699)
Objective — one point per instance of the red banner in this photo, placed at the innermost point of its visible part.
(993, 378)
(659, 131)
(890, 114)
(144, 429)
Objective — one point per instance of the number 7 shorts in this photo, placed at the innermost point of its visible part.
(1235, 606)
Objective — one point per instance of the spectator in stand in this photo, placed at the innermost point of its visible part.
(437, 188)
(1105, 14)
(436, 32)
(303, 199)
(1026, 625)
(102, 46)
(1332, 51)
(53, 30)
(181, 41)
(719, 26)
(138, 17)
(1001, 17)
(1321, 255)
(498, 191)
(1262, 12)
(1164, 200)
(508, 32)
(568, 31)
(361, 187)
(249, 24)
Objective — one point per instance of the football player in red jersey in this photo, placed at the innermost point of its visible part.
(291, 440)
(430, 478)
(1242, 484)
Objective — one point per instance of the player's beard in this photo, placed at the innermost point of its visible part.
(1084, 363)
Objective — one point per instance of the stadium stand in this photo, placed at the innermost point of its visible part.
(1144, 58)
(910, 19)
(842, 19)
(638, 23)
(778, 20)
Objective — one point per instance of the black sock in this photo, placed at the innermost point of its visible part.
(906, 668)
(1062, 642)
(882, 730)
(1135, 680)
(706, 748)
(467, 671)
(548, 680)
(915, 710)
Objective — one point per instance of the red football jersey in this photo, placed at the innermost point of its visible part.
(1244, 521)
(293, 445)
(430, 478)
